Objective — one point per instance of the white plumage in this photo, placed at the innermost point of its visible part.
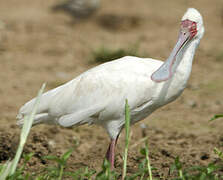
(98, 95)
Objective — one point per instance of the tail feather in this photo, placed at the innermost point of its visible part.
(38, 118)
(42, 115)
(42, 110)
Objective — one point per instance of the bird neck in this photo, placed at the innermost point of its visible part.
(185, 59)
(173, 87)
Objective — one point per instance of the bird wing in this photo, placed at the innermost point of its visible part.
(81, 117)
(99, 93)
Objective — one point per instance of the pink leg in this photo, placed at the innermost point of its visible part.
(110, 155)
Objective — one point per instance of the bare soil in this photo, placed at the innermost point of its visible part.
(38, 45)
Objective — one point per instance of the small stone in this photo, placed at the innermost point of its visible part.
(165, 153)
(51, 143)
(205, 156)
(191, 103)
(143, 126)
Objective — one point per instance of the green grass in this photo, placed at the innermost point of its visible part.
(127, 131)
(216, 116)
(58, 170)
(9, 169)
(104, 54)
(209, 172)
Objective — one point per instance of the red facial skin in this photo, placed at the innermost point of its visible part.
(191, 26)
(187, 32)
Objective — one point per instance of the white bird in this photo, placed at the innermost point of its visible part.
(98, 95)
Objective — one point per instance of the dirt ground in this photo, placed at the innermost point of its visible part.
(38, 45)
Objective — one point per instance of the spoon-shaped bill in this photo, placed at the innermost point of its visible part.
(166, 71)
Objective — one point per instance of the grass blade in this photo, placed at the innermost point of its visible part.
(67, 154)
(127, 130)
(5, 170)
(145, 151)
(148, 161)
(216, 117)
(28, 120)
(219, 153)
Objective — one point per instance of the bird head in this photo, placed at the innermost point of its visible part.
(192, 24)
(191, 29)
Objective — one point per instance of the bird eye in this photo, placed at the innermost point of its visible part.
(194, 25)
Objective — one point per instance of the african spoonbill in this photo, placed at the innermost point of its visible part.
(98, 95)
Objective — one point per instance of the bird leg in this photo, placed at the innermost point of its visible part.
(110, 155)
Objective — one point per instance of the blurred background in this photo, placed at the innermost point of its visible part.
(55, 40)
